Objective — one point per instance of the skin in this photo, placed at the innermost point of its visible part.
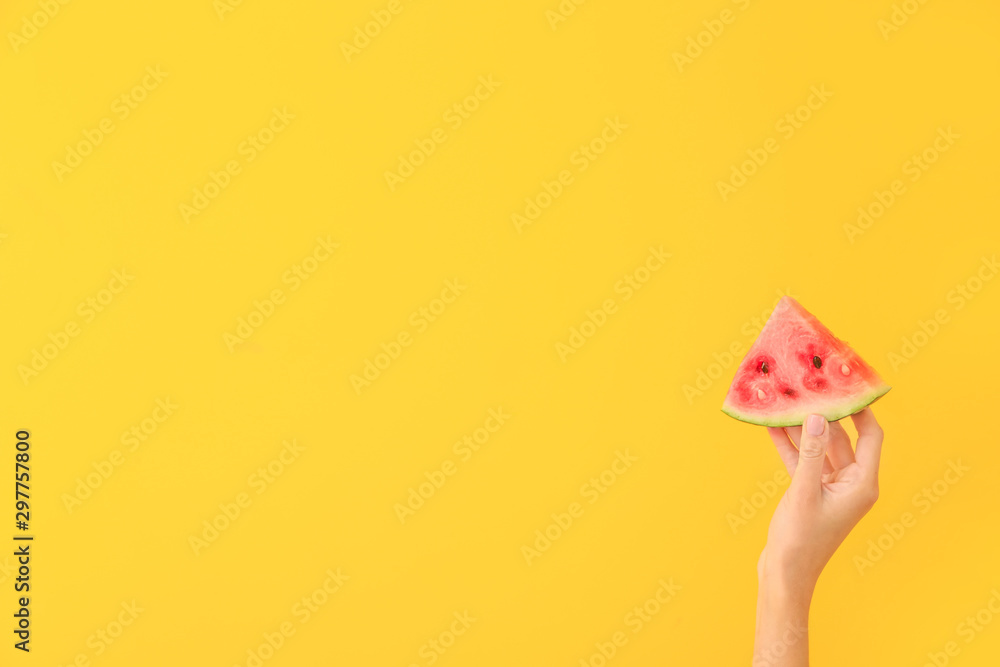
(833, 486)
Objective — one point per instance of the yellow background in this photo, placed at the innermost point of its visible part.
(666, 517)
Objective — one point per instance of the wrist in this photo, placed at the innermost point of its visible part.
(782, 585)
(782, 635)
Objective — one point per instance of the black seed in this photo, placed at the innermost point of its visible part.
(789, 392)
(817, 362)
(763, 368)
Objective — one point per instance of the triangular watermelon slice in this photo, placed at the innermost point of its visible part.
(796, 367)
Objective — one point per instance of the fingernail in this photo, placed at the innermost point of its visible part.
(815, 425)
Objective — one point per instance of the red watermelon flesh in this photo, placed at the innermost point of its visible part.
(796, 367)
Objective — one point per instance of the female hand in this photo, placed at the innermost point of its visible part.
(832, 487)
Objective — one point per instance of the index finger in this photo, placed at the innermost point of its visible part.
(786, 450)
(868, 451)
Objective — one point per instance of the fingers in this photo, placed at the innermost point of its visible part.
(795, 433)
(813, 446)
(786, 450)
(840, 453)
(869, 447)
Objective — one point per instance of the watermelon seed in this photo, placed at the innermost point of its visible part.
(789, 392)
(845, 369)
(760, 393)
(817, 362)
(763, 367)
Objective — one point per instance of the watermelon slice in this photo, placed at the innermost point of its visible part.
(796, 367)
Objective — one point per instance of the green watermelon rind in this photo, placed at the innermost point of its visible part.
(833, 414)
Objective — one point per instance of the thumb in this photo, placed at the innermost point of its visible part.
(812, 454)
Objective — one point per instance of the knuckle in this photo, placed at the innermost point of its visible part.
(812, 450)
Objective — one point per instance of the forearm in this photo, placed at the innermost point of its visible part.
(782, 637)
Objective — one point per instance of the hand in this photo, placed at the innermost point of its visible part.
(832, 487)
